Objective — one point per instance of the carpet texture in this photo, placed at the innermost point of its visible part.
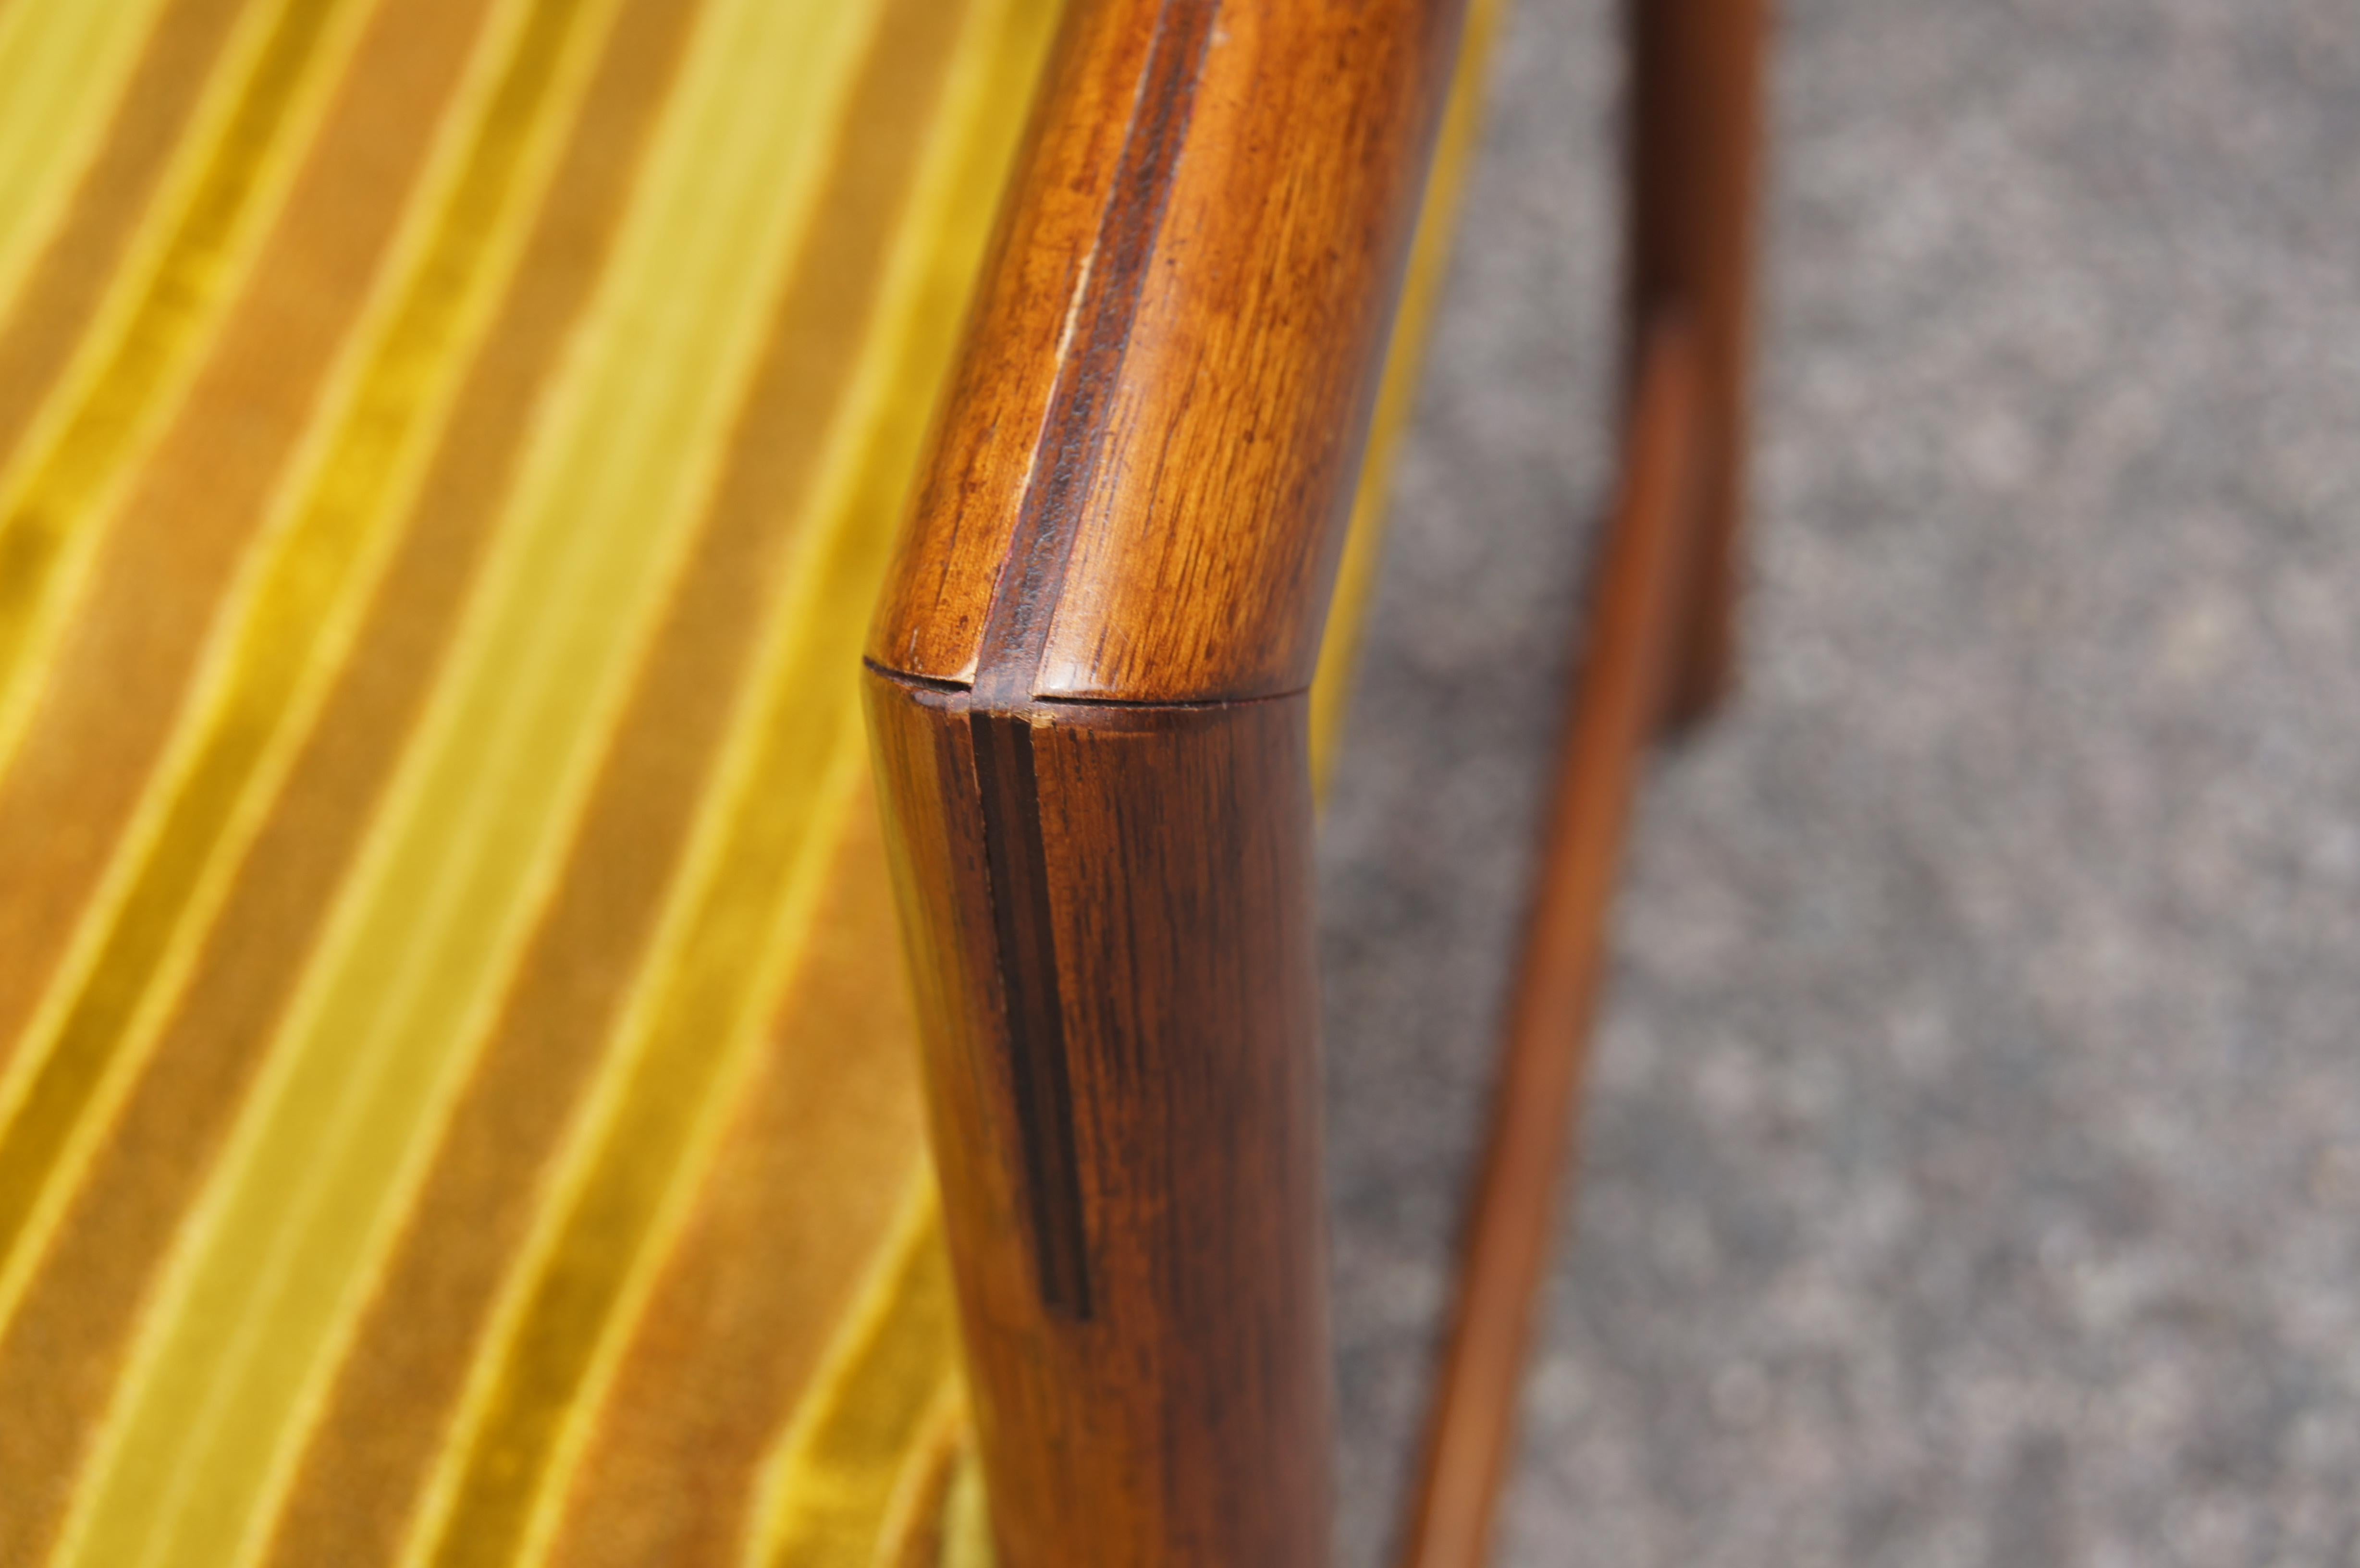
(1972, 1160)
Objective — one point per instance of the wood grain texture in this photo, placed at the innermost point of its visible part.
(1141, 475)
(1695, 168)
(1610, 713)
(1088, 695)
(1117, 996)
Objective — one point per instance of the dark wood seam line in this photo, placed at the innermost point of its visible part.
(1017, 868)
(979, 704)
(1032, 577)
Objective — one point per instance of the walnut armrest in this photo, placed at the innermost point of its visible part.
(1087, 690)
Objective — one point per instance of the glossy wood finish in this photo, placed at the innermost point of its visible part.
(1139, 485)
(1622, 661)
(1088, 695)
(1110, 915)
(1696, 70)
(1085, 682)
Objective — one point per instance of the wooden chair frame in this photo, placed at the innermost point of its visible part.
(1087, 690)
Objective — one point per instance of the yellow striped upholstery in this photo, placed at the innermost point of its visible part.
(456, 1105)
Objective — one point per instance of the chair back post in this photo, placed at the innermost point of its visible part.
(1087, 686)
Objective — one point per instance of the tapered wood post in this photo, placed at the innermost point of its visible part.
(1088, 686)
(1620, 659)
(1112, 908)
(1694, 167)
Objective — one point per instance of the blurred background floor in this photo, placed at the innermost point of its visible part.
(1973, 1167)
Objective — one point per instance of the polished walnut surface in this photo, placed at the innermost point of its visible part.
(1141, 476)
(1089, 692)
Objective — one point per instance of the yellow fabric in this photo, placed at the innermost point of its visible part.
(456, 1097)
(1429, 263)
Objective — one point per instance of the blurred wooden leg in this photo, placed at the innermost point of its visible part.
(1695, 158)
(1610, 713)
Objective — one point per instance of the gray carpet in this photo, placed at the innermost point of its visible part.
(1973, 1168)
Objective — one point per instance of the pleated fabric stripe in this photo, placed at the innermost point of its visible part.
(457, 1105)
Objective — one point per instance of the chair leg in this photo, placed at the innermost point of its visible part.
(1624, 653)
(1108, 910)
(1694, 169)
